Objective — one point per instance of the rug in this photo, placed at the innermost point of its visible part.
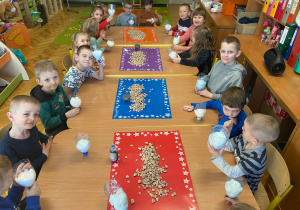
(152, 62)
(148, 31)
(157, 100)
(66, 36)
(171, 160)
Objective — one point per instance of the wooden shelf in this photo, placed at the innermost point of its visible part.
(260, 2)
(4, 59)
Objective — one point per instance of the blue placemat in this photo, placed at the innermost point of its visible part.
(157, 108)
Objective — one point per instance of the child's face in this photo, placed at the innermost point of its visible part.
(198, 20)
(98, 14)
(83, 39)
(231, 112)
(49, 81)
(148, 7)
(85, 59)
(184, 12)
(7, 180)
(128, 9)
(229, 53)
(25, 115)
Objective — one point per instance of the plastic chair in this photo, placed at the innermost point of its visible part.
(67, 63)
(279, 172)
(247, 110)
(4, 130)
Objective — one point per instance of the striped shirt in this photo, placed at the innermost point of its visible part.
(250, 163)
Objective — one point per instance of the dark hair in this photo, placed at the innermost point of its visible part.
(128, 2)
(146, 2)
(185, 5)
(198, 11)
(234, 97)
(234, 40)
(95, 8)
(82, 47)
(203, 40)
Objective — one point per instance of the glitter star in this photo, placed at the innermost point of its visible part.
(115, 165)
(186, 181)
(128, 134)
(117, 134)
(176, 137)
(117, 142)
(191, 189)
(181, 159)
(183, 164)
(118, 138)
(190, 208)
(194, 201)
(136, 134)
(186, 173)
(176, 133)
(191, 195)
(180, 153)
(156, 134)
(186, 186)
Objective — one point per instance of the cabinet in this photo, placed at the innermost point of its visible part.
(221, 26)
(12, 73)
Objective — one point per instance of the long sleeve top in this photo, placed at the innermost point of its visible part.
(143, 16)
(11, 201)
(123, 19)
(186, 37)
(102, 25)
(182, 26)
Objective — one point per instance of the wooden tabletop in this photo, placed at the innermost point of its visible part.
(71, 181)
(285, 87)
(98, 99)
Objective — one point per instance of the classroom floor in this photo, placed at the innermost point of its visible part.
(41, 48)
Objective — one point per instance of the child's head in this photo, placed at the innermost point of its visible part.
(184, 11)
(233, 101)
(230, 50)
(128, 7)
(47, 76)
(91, 26)
(260, 129)
(84, 58)
(198, 16)
(24, 112)
(147, 4)
(97, 12)
(201, 38)
(5, 174)
(241, 206)
(80, 38)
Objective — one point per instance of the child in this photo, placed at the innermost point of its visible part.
(23, 140)
(249, 149)
(52, 97)
(237, 205)
(198, 18)
(231, 113)
(124, 18)
(202, 52)
(226, 72)
(184, 22)
(79, 38)
(77, 74)
(16, 192)
(147, 17)
(98, 13)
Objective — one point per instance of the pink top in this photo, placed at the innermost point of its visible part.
(186, 37)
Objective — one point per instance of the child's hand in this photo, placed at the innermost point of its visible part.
(196, 90)
(188, 108)
(205, 93)
(177, 47)
(215, 152)
(232, 200)
(46, 147)
(34, 190)
(176, 60)
(110, 18)
(72, 112)
(228, 124)
(107, 48)
(155, 20)
(170, 33)
(102, 64)
(20, 169)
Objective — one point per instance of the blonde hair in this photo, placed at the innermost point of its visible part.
(76, 37)
(263, 127)
(5, 167)
(44, 66)
(185, 5)
(232, 40)
(90, 26)
(203, 40)
(17, 100)
(242, 206)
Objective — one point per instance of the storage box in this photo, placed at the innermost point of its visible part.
(228, 6)
(238, 8)
(249, 28)
(286, 124)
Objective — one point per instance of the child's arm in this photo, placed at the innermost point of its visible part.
(33, 197)
(15, 194)
(140, 18)
(100, 74)
(118, 23)
(202, 56)
(173, 30)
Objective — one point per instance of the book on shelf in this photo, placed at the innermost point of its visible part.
(280, 7)
(287, 11)
(286, 37)
(274, 8)
(292, 12)
(294, 52)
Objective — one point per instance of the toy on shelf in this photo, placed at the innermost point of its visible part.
(19, 55)
(6, 8)
(266, 24)
(15, 35)
(273, 33)
(268, 33)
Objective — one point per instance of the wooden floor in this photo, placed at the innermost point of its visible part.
(41, 48)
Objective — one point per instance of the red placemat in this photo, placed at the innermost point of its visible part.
(169, 146)
(150, 35)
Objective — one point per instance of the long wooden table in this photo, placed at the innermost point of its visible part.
(71, 181)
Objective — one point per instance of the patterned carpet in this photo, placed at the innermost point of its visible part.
(66, 36)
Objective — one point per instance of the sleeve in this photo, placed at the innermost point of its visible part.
(216, 96)
(202, 56)
(33, 203)
(43, 137)
(174, 29)
(103, 24)
(140, 18)
(158, 23)
(135, 21)
(15, 194)
(67, 100)
(195, 104)
(231, 145)
(93, 41)
(99, 41)
(38, 162)
(182, 33)
(232, 171)
(237, 81)
(184, 54)
(9, 151)
(70, 79)
(47, 119)
(89, 72)
(185, 37)
(209, 104)
(186, 47)
(118, 23)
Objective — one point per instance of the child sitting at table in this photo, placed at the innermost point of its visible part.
(98, 13)
(249, 149)
(231, 113)
(184, 22)
(198, 18)
(125, 17)
(15, 194)
(54, 102)
(202, 52)
(77, 74)
(23, 140)
(226, 72)
(147, 17)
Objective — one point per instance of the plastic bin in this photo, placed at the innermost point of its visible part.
(228, 6)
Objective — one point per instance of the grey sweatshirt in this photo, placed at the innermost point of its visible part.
(222, 77)
(123, 19)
